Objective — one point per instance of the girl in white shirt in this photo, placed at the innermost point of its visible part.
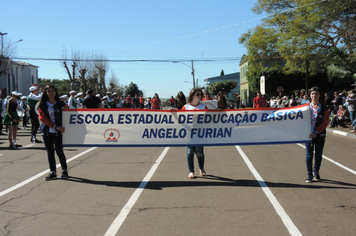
(195, 96)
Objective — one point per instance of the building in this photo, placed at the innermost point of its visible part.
(228, 77)
(246, 93)
(19, 77)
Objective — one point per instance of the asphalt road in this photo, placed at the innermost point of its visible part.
(249, 190)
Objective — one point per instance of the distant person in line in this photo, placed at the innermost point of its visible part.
(207, 96)
(238, 99)
(91, 101)
(50, 110)
(319, 116)
(243, 104)
(32, 100)
(142, 102)
(259, 101)
(11, 119)
(194, 99)
(180, 100)
(172, 101)
(72, 101)
(148, 103)
(221, 100)
(156, 102)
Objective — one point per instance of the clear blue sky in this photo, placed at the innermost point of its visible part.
(133, 30)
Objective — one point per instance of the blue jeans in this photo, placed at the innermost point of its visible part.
(190, 157)
(318, 143)
(352, 116)
(53, 141)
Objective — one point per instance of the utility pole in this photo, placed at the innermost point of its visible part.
(193, 74)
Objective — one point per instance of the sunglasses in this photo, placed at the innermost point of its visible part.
(198, 94)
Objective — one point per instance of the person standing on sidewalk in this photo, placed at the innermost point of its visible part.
(319, 116)
(50, 110)
(351, 100)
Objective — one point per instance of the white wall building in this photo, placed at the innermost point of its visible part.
(19, 77)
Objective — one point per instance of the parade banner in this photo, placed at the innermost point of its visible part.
(147, 128)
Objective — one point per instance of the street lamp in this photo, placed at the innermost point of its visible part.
(192, 68)
(20, 40)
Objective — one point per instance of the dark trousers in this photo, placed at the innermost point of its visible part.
(54, 141)
(318, 144)
(1, 123)
(35, 122)
(24, 120)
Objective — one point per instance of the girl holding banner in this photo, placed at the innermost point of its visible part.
(50, 110)
(319, 116)
(194, 99)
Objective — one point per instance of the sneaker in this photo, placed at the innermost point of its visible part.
(316, 176)
(352, 131)
(64, 175)
(309, 179)
(191, 175)
(202, 172)
(51, 176)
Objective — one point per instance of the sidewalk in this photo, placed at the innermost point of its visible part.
(342, 131)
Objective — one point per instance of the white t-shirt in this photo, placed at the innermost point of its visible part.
(51, 115)
(190, 107)
(313, 114)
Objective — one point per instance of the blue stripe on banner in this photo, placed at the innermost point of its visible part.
(193, 145)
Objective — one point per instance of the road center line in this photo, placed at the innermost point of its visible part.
(332, 161)
(293, 230)
(19, 185)
(116, 224)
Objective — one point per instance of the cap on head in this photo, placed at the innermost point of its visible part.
(16, 94)
(33, 88)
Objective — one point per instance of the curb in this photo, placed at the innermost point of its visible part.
(341, 133)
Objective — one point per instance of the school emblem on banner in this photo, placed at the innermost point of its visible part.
(111, 135)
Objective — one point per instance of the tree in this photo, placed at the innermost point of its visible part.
(114, 85)
(102, 66)
(71, 73)
(83, 65)
(344, 65)
(301, 32)
(224, 86)
(62, 86)
(6, 53)
(133, 89)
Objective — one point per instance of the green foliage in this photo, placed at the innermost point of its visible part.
(132, 89)
(297, 35)
(290, 82)
(224, 86)
(344, 65)
(62, 86)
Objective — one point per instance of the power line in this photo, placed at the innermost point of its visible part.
(131, 60)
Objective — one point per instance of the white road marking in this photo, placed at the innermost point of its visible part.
(332, 161)
(19, 185)
(116, 224)
(293, 230)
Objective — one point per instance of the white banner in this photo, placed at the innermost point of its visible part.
(147, 128)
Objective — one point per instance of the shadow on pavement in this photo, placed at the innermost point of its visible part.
(211, 180)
